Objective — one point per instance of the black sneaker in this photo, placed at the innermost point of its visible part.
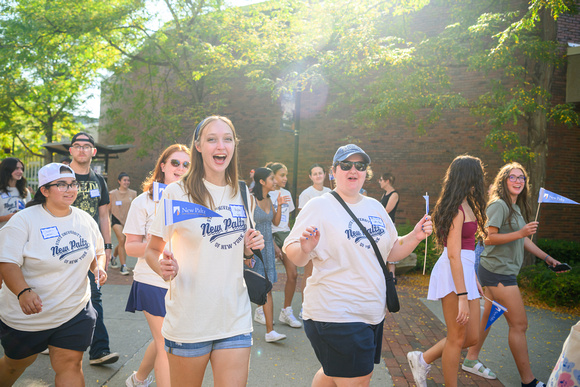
(105, 358)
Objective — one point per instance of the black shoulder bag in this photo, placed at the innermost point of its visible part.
(392, 298)
(258, 285)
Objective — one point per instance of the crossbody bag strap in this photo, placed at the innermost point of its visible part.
(364, 230)
(256, 252)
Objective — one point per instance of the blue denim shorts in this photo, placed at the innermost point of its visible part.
(205, 347)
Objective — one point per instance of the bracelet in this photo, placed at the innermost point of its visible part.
(462, 294)
(546, 257)
(248, 256)
(23, 290)
(108, 246)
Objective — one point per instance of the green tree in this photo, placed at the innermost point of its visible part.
(50, 55)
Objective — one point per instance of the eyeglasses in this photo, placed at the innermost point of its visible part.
(86, 148)
(63, 187)
(177, 163)
(514, 178)
(347, 165)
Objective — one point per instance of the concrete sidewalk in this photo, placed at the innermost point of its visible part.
(292, 362)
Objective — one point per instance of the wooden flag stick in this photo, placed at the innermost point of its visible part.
(426, 239)
(535, 220)
(170, 277)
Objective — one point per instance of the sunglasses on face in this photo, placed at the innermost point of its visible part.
(347, 165)
(177, 163)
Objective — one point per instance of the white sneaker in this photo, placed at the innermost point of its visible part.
(259, 316)
(114, 264)
(287, 317)
(300, 315)
(419, 369)
(133, 382)
(274, 336)
(124, 270)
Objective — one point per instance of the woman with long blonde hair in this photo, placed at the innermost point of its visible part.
(208, 315)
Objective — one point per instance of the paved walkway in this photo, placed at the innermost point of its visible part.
(292, 362)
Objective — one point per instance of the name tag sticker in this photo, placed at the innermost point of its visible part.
(5, 195)
(238, 211)
(376, 221)
(118, 203)
(49, 232)
(95, 193)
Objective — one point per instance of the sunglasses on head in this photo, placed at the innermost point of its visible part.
(347, 165)
(177, 163)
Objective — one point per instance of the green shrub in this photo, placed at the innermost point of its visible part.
(563, 251)
(555, 289)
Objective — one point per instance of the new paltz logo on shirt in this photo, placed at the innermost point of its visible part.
(226, 232)
(70, 247)
(376, 230)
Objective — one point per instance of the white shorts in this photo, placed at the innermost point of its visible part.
(441, 282)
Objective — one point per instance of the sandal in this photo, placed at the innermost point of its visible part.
(480, 370)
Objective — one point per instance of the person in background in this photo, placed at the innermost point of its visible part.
(65, 160)
(317, 175)
(148, 289)
(265, 216)
(280, 233)
(252, 182)
(390, 200)
(13, 192)
(209, 317)
(46, 302)
(508, 232)
(344, 299)
(458, 215)
(120, 201)
(93, 198)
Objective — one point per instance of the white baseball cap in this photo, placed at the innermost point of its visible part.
(54, 171)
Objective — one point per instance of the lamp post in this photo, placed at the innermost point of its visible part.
(296, 150)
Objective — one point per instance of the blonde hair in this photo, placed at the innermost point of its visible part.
(193, 178)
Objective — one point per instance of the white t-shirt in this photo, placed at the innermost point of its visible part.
(10, 202)
(209, 296)
(287, 208)
(347, 282)
(139, 220)
(310, 193)
(54, 254)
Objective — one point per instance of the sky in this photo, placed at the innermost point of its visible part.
(92, 104)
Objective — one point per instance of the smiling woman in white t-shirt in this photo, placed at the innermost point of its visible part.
(13, 192)
(344, 300)
(148, 289)
(208, 315)
(46, 251)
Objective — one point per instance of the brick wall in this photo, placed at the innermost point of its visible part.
(417, 161)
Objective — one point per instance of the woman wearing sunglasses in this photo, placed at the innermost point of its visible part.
(148, 289)
(208, 315)
(508, 233)
(120, 201)
(344, 300)
(46, 251)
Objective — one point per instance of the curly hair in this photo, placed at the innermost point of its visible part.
(464, 179)
(499, 190)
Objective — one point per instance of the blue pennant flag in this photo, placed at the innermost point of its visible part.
(546, 196)
(158, 191)
(178, 211)
(496, 311)
(426, 197)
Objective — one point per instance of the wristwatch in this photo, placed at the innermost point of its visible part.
(108, 246)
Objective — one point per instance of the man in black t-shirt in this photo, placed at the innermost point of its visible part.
(93, 198)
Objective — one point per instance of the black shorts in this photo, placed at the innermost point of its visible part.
(345, 350)
(75, 334)
(114, 221)
(488, 278)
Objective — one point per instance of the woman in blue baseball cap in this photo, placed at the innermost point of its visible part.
(344, 299)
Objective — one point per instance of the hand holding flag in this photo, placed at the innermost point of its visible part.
(169, 266)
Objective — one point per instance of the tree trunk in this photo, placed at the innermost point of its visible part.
(48, 133)
(543, 74)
